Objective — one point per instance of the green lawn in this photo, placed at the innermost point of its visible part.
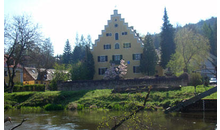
(99, 99)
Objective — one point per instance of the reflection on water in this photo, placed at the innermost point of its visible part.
(89, 120)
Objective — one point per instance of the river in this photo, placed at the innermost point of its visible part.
(89, 120)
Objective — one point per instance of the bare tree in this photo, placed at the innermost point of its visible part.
(20, 36)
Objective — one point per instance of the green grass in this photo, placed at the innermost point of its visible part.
(99, 99)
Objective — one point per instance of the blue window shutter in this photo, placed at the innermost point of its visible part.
(106, 58)
(98, 58)
(121, 57)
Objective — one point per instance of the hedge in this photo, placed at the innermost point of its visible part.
(34, 87)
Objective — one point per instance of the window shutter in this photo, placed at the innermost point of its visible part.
(133, 69)
(113, 57)
(121, 57)
(106, 58)
(98, 58)
(99, 71)
(141, 56)
(133, 56)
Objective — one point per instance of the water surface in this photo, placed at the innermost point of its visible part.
(90, 119)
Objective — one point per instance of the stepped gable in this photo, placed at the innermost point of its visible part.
(132, 31)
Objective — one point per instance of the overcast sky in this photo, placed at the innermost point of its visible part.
(61, 19)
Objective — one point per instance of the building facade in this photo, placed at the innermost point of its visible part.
(31, 76)
(117, 41)
(18, 78)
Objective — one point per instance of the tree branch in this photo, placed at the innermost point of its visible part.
(19, 124)
(139, 109)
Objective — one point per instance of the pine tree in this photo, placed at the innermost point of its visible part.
(149, 58)
(89, 41)
(209, 34)
(167, 41)
(88, 64)
(67, 53)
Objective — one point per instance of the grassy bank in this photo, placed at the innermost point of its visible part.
(98, 99)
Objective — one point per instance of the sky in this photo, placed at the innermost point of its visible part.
(62, 19)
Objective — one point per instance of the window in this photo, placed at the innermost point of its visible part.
(137, 56)
(115, 19)
(124, 33)
(107, 46)
(102, 71)
(108, 34)
(116, 59)
(136, 69)
(116, 45)
(116, 36)
(127, 45)
(102, 58)
(116, 25)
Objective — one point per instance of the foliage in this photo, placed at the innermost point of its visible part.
(34, 87)
(121, 69)
(149, 58)
(61, 74)
(67, 53)
(210, 34)
(101, 98)
(110, 73)
(167, 41)
(176, 64)
(20, 37)
(192, 49)
(52, 107)
(77, 71)
(88, 64)
(195, 79)
(116, 72)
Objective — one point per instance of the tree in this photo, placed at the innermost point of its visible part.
(67, 53)
(121, 70)
(167, 41)
(149, 58)
(88, 64)
(192, 50)
(110, 73)
(89, 41)
(79, 50)
(209, 34)
(116, 72)
(20, 36)
(195, 80)
(77, 71)
(61, 74)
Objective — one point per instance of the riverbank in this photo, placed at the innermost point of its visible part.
(99, 99)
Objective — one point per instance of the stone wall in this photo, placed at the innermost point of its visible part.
(160, 82)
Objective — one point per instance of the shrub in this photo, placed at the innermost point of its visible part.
(80, 106)
(72, 106)
(34, 87)
(51, 107)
